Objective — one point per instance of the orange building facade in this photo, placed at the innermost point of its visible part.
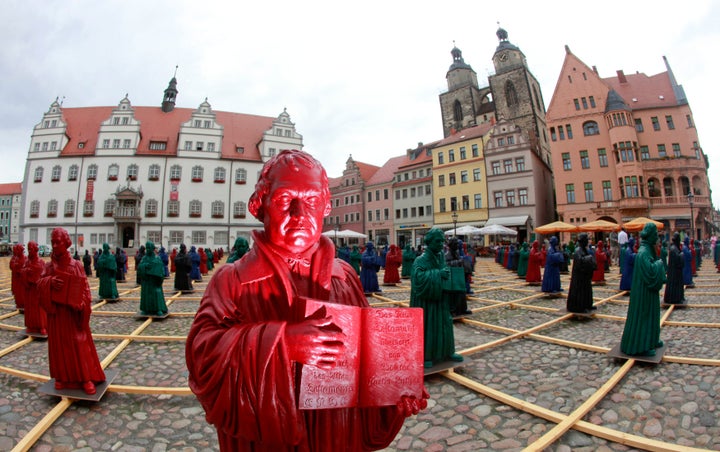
(627, 146)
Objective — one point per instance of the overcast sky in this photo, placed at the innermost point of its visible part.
(360, 78)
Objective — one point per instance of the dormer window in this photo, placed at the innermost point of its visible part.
(158, 145)
(240, 150)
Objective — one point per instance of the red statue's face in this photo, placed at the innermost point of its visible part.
(32, 248)
(59, 244)
(294, 209)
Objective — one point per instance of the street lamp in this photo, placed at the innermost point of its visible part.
(454, 218)
(692, 222)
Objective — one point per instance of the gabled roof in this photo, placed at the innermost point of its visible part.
(386, 173)
(367, 171)
(13, 188)
(239, 130)
(334, 182)
(466, 134)
(647, 90)
(422, 156)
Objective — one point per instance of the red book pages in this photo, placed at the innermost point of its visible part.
(383, 360)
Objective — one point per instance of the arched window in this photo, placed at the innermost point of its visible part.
(591, 128)
(240, 176)
(38, 174)
(537, 99)
(132, 172)
(109, 208)
(52, 208)
(457, 111)
(175, 172)
(73, 172)
(35, 209)
(56, 173)
(653, 187)
(151, 208)
(70, 208)
(668, 186)
(113, 172)
(511, 97)
(219, 175)
(197, 173)
(239, 209)
(195, 208)
(684, 185)
(218, 209)
(92, 172)
(697, 186)
(154, 172)
(173, 208)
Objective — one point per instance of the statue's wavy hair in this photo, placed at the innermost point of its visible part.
(297, 161)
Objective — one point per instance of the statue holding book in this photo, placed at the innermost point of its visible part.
(65, 296)
(254, 335)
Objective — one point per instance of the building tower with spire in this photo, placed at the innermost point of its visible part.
(464, 104)
(517, 94)
(171, 92)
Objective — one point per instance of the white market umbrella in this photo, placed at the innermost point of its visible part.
(496, 229)
(346, 233)
(463, 230)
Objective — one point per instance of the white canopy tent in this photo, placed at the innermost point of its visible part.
(463, 230)
(346, 233)
(496, 229)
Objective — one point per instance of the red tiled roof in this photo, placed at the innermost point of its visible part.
(12, 188)
(421, 158)
(366, 170)
(239, 130)
(334, 181)
(386, 173)
(647, 90)
(467, 134)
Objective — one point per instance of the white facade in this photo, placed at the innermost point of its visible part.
(119, 193)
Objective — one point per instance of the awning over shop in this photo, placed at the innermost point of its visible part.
(518, 220)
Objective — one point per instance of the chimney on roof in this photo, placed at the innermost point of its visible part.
(595, 70)
(621, 76)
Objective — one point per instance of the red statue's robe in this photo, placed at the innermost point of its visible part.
(17, 286)
(35, 317)
(393, 259)
(238, 359)
(600, 258)
(173, 255)
(71, 350)
(535, 260)
(203, 262)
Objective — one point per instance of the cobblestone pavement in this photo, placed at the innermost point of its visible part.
(529, 368)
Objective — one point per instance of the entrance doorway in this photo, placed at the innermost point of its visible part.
(128, 237)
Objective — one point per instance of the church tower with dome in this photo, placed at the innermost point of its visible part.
(517, 95)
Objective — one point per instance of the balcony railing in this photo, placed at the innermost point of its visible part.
(632, 203)
(677, 163)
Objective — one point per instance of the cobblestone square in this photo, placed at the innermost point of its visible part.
(537, 378)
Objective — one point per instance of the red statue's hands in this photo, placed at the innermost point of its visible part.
(410, 405)
(57, 283)
(315, 341)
